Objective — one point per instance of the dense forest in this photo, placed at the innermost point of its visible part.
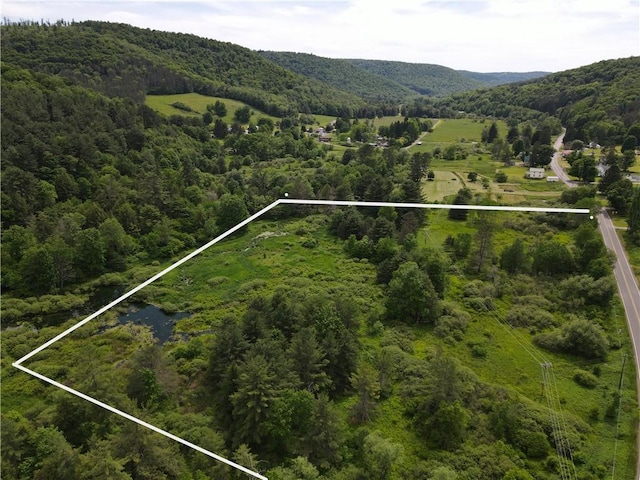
(121, 60)
(425, 79)
(380, 80)
(317, 343)
(344, 75)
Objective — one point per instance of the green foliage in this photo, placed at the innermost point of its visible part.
(588, 100)
(151, 61)
(634, 217)
(585, 379)
(181, 106)
(447, 427)
(365, 383)
(501, 177)
(579, 337)
(411, 295)
(463, 197)
(513, 258)
(273, 361)
(425, 79)
(342, 74)
(380, 455)
(552, 258)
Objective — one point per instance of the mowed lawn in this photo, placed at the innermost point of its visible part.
(445, 184)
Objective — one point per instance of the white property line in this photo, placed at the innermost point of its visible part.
(18, 363)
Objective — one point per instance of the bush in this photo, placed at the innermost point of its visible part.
(394, 336)
(215, 281)
(501, 177)
(310, 243)
(478, 350)
(448, 325)
(182, 106)
(585, 379)
(479, 304)
(578, 337)
(528, 316)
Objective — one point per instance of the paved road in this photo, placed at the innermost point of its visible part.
(627, 285)
(555, 162)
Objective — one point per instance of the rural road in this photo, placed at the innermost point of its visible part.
(555, 162)
(418, 141)
(627, 285)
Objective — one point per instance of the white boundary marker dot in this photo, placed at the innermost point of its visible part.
(18, 363)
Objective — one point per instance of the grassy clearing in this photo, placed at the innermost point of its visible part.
(445, 184)
(324, 120)
(386, 121)
(464, 130)
(220, 281)
(198, 103)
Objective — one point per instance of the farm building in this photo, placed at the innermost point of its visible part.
(535, 173)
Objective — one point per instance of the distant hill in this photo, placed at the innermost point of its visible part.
(501, 78)
(596, 102)
(423, 78)
(121, 60)
(342, 74)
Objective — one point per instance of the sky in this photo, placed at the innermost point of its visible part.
(476, 35)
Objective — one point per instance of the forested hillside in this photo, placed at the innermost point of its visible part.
(317, 343)
(500, 78)
(344, 75)
(423, 78)
(119, 59)
(597, 102)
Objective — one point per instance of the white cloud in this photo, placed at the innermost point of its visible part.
(481, 35)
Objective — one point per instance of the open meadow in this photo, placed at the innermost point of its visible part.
(198, 104)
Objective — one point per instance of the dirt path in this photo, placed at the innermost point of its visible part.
(422, 135)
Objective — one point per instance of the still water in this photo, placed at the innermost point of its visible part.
(152, 316)
(160, 322)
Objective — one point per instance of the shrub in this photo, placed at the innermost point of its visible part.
(214, 281)
(454, 326)
(528, 316)
(182, 106)
(479, 304)
(310, 243)
(501, 177)
(585, 379)
(578, 337)
(394, 336)
(478, 350)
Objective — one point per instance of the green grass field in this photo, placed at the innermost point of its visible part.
(464, 130)
(198, 103)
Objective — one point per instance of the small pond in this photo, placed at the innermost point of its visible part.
(160, 322)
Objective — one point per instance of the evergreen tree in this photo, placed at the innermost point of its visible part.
(365, 383)
(256, 392)
(309, 360)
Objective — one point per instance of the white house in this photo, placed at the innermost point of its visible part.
(535, 173)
